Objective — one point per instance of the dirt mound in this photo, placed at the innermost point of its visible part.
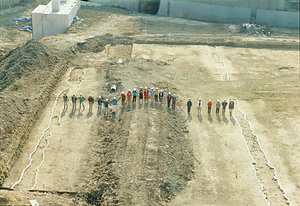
(22, 62)
(27, 77)
(144, 156)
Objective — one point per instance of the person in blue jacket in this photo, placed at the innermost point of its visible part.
(114, 103)
(106, 103)
(189, 105)
(134, 94)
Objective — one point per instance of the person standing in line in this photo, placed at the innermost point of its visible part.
(174, 99)
(65, 98)
(161, 96)
(156, 93)
(189, 105)
(231, 106)
(152, 92)
(146, 95)
(123, 97)
(99, 104)
(224, 104)
(106, 103)
(169, 98)
(199, 106)
(91, 102)
(114, 105)
(141, 95)
(81, 100)
(134, 94)
(129, 94)
(74, 99)
(209, 105)
(218, 105)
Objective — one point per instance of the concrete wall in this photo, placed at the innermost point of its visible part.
(206, 12)
(46, 22)
(278, 18)
(228, 14)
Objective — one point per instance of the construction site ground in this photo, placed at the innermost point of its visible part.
(148, 154)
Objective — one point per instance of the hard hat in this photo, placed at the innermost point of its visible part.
(141, 87)
(161, 90)
(129, 90)
(189, 98)
(73, 94)
(99, 97)
(152, 88)
(122, 92)
(224, 99)
(145, 87)
(156, 88)
(169, 92)
(134, 89)
(174, 94)
(106, 100)
(210, 100)
(90, 95)
(114, 97)
(80, 94)
(65, 93)
(199, 98)
(218, 100)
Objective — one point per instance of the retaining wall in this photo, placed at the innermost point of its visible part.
(278, 18)
(227, 14)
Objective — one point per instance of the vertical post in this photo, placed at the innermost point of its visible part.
(55, 5)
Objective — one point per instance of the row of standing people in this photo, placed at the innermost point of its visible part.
(143, 95)
(209, 106)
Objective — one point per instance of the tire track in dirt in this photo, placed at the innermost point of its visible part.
(147, 159)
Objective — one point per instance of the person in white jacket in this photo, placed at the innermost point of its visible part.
(199, 106)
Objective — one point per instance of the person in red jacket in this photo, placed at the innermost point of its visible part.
(209, 104)
(169, 97)
(146, 95)
(129, 95)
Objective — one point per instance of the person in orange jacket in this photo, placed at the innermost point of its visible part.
(209, 105)
(129, 95)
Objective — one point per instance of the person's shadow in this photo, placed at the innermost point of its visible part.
(89, 114)
(210, 118)
(140, 106)
(225, 120)
(200, 119)
(218, 117)
(80, 113)
(63, 113)
(146, 105)
(160, 107)
(122, 110)
(232, 120)
(99, 113)
(189, 117)
(71, 115)
(113, 116)
(133, 106)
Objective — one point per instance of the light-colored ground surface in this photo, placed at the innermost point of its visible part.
(265, 82)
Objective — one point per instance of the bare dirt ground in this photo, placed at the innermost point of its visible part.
(146, 154)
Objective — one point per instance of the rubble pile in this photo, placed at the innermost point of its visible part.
(251, 29)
